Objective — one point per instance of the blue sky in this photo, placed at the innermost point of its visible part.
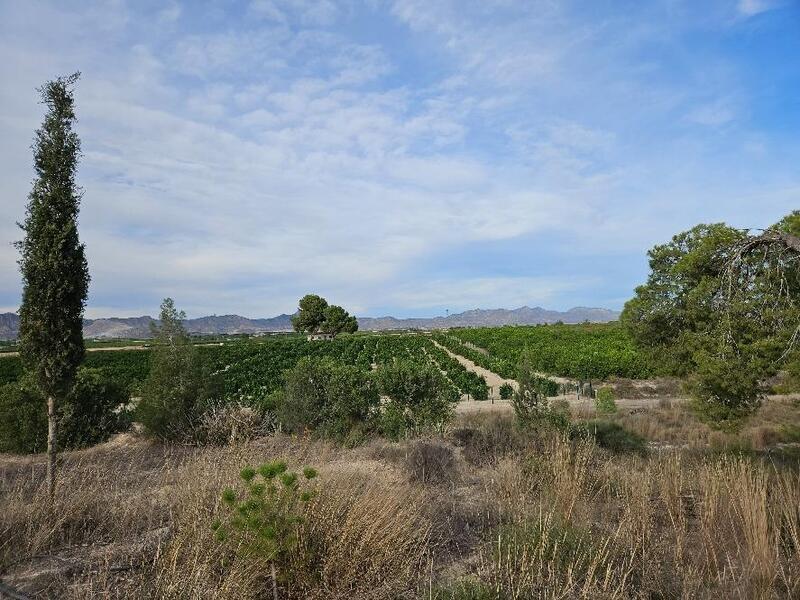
(400, 156)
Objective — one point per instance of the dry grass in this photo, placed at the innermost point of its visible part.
(489, 513)
(671, 423)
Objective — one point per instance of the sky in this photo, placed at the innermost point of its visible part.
(403, 157)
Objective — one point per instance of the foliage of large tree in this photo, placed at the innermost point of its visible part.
(53, 262)
(315, 315)
(673, 314)
(311, 314)
(338, 320)
(721, 306)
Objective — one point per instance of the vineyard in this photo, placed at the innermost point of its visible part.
(253, 369)
(581, 352)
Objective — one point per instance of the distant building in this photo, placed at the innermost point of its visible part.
(320, 336)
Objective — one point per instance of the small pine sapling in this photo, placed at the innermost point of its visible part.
(604, 402)
(263, 520)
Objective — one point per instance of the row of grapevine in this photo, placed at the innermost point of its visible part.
(582, 352)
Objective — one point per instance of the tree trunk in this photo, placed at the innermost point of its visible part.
(51, 447)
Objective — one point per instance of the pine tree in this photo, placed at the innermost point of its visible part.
(53, 263)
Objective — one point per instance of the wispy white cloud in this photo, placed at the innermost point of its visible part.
(749, 8)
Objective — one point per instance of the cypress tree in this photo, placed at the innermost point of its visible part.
(53, 263)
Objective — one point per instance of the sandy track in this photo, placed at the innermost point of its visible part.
(493, 380)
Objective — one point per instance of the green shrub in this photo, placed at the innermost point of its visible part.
(262, 522)
(23, 419)
(175, 396)
(530, 401)
(88, 415)
(604, 401)
(611, 436)
(419, 399)
(328, 397)
(725, 391)
(93, 411)
(506, 391)
(480, 392)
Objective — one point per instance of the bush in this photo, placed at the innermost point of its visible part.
(88, 415)
(232, 423)
(23, 420)
(604, 401)
(93, 410)
(530, 401)
(176, 394)
(506, 391)
(480, 392)
(725, 391)
(429, 461)
(326, 396)
(419, 399)
(611, 436)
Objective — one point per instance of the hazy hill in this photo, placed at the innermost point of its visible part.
(493, 318)
(139, 327)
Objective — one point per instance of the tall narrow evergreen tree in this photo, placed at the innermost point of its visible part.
(53, 263)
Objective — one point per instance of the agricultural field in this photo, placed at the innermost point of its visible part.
(248, 369)
(579, 352)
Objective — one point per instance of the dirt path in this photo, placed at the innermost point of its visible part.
(493, 380)
(115, 348)
(109, 349)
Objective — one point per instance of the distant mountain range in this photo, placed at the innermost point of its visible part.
(139, 327)
(495, 317)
